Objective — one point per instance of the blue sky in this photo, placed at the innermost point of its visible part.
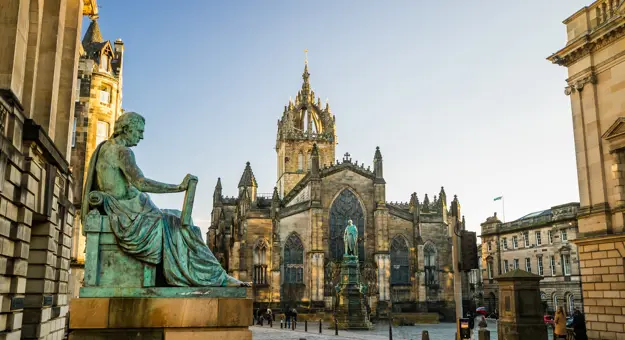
(455, 93)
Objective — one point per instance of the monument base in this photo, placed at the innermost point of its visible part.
(351, 310)
(160, 318)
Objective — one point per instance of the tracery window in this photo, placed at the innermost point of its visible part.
(300, 162)
(345, 207)
(260, 263)
(400, 264)
(430, 264)
(293, 260)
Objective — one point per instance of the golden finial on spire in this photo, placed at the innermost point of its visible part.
(306, 56)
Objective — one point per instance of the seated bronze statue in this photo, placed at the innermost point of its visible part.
(158, 237)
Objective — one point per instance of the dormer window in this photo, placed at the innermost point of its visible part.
(104, 63)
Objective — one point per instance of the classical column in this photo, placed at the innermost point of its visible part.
(13, 45)
(49, 65)
(69, 73)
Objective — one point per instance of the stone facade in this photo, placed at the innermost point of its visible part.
(98, 105)
(594, 56)
(39, 48)
(290, 242)
(540, 243)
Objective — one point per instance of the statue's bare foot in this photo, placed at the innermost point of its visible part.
(232, 282)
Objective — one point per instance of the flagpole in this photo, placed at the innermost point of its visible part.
(503, 209)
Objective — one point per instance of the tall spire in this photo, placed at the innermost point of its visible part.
(93, 34)
(217, 193)
(248, 179)
(306, 76)
(377, 166)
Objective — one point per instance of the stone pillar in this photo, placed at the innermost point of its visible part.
(13, 45)
(32, 56)
(68, 77)
(49, 65)
(317, 278)
(420, 278)
(384, 273)
(520, 310)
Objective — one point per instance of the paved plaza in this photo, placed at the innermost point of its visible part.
(442, 331)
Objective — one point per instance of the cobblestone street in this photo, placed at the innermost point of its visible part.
(442, 331)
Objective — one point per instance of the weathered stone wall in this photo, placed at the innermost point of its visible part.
(604, 287)
(288, 153)
(39, 44)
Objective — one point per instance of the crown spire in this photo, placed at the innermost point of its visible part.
(306, 75)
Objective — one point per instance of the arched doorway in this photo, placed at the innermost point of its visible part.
(293, 271)
(492, 302)
(346, 206)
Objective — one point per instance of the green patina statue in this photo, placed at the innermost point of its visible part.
(350, 238)
(142, 230)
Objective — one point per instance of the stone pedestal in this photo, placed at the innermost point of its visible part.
(351, 310)
(520, 309)
(170, 314)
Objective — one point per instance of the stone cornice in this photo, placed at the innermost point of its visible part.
(597, 239)
(589, 42)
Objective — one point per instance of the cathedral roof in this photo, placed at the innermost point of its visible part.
(248, 179)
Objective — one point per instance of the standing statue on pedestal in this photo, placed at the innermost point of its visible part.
(350, 239)
(142, 230)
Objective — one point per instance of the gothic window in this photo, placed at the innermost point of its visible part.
(400, 265)
(345, 207)
(293, 260)
(430, 265)
(260, 263)
(300, 162)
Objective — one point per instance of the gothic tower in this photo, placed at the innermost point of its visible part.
(304, 122)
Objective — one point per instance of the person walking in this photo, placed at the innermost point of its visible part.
(579, 325)
(560, 324)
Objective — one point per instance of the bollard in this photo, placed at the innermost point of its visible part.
(483, 334)
(390, 328)
(305, 325)
(319, 326)
(271, 322)
(425, 335)
(281, 323)
(336, 327)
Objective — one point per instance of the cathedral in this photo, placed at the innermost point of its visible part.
(290, 243)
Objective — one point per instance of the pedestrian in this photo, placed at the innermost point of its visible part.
(287, 315)
(560, 324)
(579, 325)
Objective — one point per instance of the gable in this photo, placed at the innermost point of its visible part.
(615, 134)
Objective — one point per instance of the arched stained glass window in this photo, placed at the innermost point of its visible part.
(345, 207)
(430, 264)
(400, 263)
(293, 260)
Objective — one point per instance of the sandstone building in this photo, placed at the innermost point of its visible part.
(97, 105)
(594, 56)
(289, 242)
(39, 48)
(540, 243)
